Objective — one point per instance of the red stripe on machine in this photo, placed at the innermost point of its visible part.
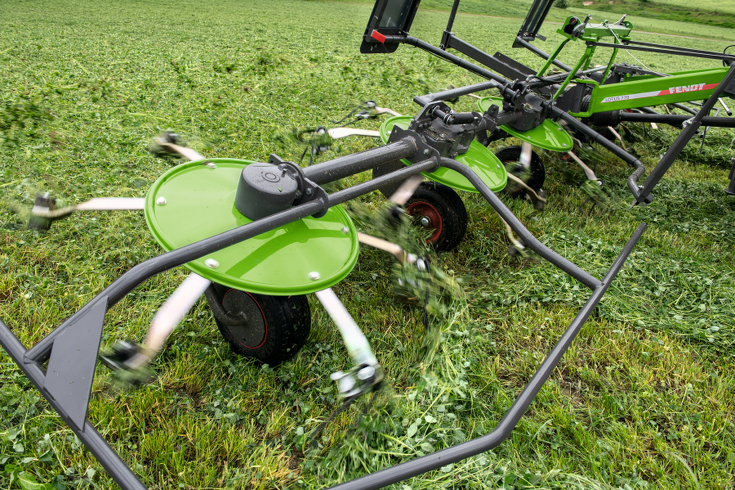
(696, 87)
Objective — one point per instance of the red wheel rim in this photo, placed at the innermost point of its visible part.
(424, 209)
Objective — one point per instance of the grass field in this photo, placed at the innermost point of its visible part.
(644, 398)
(652, 21)
(700, 13)
(717, 5)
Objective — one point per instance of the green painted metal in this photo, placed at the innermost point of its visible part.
(649, 90)
(200, 202)
(478, 158)
(548, 135)
(594, 32)
(632, 91)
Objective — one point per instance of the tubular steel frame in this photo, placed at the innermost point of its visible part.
(71, 349)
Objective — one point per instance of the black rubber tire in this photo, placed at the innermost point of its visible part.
(277, 326)
(446, 211)
(510, 157)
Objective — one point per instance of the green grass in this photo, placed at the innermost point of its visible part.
(716, 5)
(681, 12)
(643, 399)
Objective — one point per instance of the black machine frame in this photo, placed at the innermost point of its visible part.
(71, 349)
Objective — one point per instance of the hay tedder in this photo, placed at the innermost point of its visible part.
(600, 95)
(260, 236)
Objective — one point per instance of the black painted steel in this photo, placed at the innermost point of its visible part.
(676, 119)
(504, 428)
(376, 183)
(678, 48)
(685, 108)
(71, 366)
(730, 189)
(691, 129)
(342, 167)
(520, 42)
(108, 458)
(422, 100)
(452, 15)
(609, 145)
(456, 60)
(528, 239)
(535, 17)
(451, 41)
(676, 52)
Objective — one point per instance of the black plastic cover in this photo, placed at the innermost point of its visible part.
(389, 18)
(535, 17)
(265, 189)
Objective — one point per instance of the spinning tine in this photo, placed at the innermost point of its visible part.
(174, 310)
(535, 197)
(617, 136)
(337, 133)
(355, 341)
(727, 109)
(386, 246)
(526, 151)
(406, 190)
(385, 110)
(185, 152)
(588, 171)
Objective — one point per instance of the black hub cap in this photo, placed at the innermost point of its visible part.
(250, 333)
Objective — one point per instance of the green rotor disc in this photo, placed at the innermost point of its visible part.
(547, 135)
(478, 158)
(302, 257)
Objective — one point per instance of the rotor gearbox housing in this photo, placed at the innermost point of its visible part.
(265, 189)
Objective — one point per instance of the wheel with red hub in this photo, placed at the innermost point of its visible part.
(271, 329)
(437, 207)
(533, 176)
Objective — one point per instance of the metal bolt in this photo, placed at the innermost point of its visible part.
(497, 165)
(558, 129)
(308, 191)
(425, 221)
(161, 201)
(314, 276)
(563, 144)
(427, 151)
(211, 263)
(345, 230)
(211, 165)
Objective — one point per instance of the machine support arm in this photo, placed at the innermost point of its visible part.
(689, 131)
(504, 428)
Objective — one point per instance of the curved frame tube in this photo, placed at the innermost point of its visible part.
(30, 361)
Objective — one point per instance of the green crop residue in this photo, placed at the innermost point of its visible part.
(643, 399)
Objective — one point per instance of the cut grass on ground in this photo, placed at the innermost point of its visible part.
(643, 399)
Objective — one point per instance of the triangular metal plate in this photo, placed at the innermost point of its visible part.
(71, 366)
